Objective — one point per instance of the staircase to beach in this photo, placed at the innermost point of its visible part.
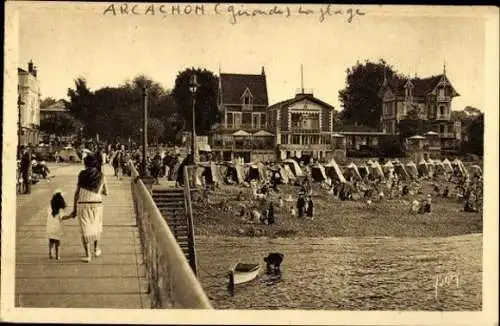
(175, 206)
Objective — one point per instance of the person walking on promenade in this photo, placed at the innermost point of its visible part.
(55, 217)
(117, 164)
(88, 206)
(26, 169)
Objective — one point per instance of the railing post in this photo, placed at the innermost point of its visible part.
(189, 216)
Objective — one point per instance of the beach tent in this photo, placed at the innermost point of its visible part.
(211, 173)
(438, 167)
(352, 171)
(283, 175)
(388, 169)
(333, 171)
(318, 172)
(234, 171)
(363, 171)
(376, 170)
(423, 168)
(295, 167)
(459, 167)
(288, 172)
(447, 165)
(256, 171)
(476, 170)
(411, 169)
(400, 171)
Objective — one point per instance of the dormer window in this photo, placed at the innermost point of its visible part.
(247, 97)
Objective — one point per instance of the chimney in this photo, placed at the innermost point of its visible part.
(263, 71)
(30, 66)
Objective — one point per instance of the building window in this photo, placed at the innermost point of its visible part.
(247, 119)
(256, 120)
(283, 139)
(441, 129)
(295, 139)
(441, 109)
(236, 119)
(229, 118)
(263, 120)
(441, 92)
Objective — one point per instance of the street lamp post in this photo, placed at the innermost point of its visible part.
(193, 87)
(145, 132)
(20, 103)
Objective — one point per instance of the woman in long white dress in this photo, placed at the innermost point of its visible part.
(88, 205)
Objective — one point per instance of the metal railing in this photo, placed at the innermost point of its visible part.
(172, 283)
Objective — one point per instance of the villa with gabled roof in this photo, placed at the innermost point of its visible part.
(242, 131)
(430, 97)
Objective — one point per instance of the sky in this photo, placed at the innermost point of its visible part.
(66, 41)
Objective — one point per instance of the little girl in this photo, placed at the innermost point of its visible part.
(54, 223)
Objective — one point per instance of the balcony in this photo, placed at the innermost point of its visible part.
(242, 126)
(443, 116)
(247, 107)
(447, 135)
(248, 144)
(443, 98)
(305, 131)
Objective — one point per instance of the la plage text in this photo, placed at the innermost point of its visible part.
(234, 12)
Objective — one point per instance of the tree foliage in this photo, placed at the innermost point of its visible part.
(60, 124)
(116, 113)
(475, 133)
(46, 102)
(360, 98)
(412, 125)
(206, 111)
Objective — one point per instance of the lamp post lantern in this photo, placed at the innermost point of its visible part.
(193, 87)
(145, 133)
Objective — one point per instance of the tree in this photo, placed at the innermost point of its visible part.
(412, 125)
(46, 102)
(81, 101)
(360, 98)
(156, 130)
(472, 111)
(475, 134)
(206, 111)
(61, 124)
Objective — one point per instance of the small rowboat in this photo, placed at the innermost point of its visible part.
(242, 273)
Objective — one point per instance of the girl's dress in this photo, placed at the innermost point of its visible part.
(54, 225)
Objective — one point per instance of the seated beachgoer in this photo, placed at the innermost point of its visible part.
(256, 216)
(415, 206)
(446, 192)
(427, 204)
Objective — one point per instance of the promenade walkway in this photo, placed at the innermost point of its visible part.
(117, 279)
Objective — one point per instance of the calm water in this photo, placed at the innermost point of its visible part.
(348, 273)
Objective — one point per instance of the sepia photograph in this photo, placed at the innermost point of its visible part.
(271, 162)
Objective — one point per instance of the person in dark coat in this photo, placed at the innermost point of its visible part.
(270, 214)
(26, 169)
(300, 205)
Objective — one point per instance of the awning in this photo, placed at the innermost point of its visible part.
(204, 147)
(416, 137)
(241, 133)
(263, 133)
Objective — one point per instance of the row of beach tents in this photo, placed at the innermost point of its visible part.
(289, 170)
